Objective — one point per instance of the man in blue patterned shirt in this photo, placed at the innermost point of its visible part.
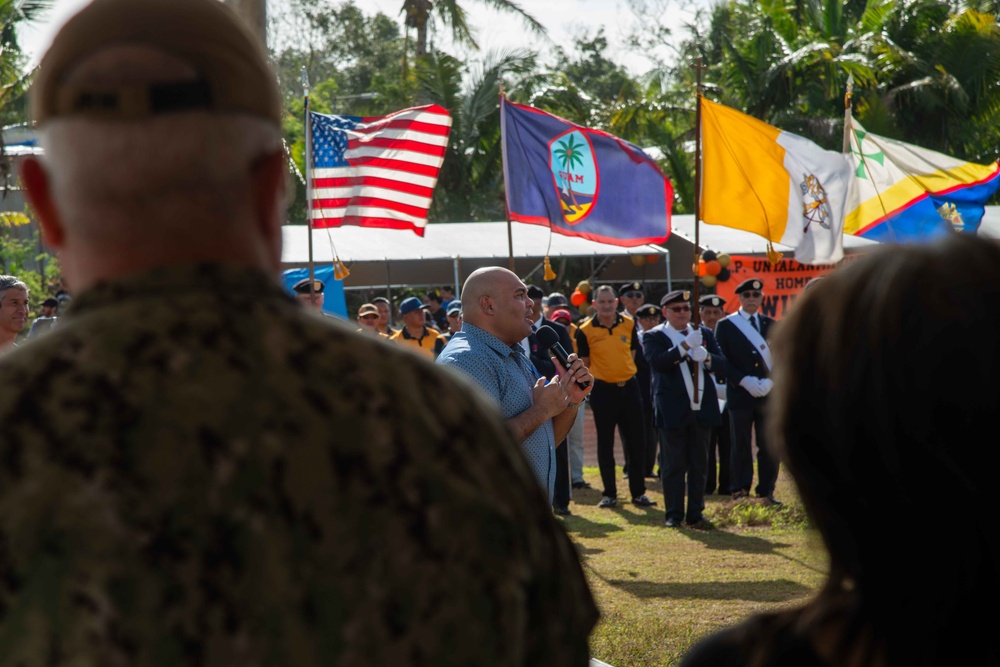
(497, 316)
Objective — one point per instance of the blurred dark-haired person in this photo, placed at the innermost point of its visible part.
(885, 380)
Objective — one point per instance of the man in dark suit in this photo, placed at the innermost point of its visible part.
(542, 361)
(647, 316)
(711, 308)
(683, 359)
(743, 339)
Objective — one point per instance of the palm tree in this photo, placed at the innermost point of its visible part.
(568, 154)
(418, 13)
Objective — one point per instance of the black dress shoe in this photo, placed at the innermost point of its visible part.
(581, 485)
(562, 511)
(672, 523)
(770, 500)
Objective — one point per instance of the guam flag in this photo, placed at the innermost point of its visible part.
(581, 182)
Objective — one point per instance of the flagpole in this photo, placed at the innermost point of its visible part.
(695, 312)
(503, 155)
(309, 224)
(847, 114)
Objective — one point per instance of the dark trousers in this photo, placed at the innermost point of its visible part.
(743, 425)
(685, 454)
(650, 437)
(719, 439)
(561, 494)
(620, 407)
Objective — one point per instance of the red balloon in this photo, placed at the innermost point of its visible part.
(712, 267)
(577, 298)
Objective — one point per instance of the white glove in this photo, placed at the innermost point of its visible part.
(752, 385)
(765, 386)
(698, 354)
(693, 339)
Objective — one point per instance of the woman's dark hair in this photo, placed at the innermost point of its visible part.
(885, 405)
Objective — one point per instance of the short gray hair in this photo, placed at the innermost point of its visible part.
(9, 283)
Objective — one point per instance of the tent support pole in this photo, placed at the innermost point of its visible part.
(456, 291)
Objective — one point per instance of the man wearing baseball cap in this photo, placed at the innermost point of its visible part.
(415, 334)
(743, 339)
(213, 476)
(368, 319)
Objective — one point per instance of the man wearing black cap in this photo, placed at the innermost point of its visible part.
(743, 339)
(608, 343)
(711, 310)
(46, 319)
(415, 334)
(631, 296)
(683, 358)
(214, 476)
(310, 293)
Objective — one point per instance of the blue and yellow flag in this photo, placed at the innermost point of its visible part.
(580, 181)
(903, 193)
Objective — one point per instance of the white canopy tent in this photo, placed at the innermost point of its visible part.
(449, 252)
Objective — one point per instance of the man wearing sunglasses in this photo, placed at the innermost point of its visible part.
(743, 339)
(683, 359)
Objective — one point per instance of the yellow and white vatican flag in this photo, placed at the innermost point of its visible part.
(776, 184)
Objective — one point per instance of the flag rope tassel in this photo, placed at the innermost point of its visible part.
(549, 273)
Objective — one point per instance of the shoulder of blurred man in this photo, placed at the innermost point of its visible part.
(212, 373)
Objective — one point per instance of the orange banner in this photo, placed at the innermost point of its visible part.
(783, 282)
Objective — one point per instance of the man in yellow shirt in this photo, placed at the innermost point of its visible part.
(415, 334)
(607, 343)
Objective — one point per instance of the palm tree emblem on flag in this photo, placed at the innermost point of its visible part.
(574, 170)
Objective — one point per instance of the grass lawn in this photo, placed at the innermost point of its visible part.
(661, 589)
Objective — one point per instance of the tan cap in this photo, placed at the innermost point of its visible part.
(367, 309)
(234, 75)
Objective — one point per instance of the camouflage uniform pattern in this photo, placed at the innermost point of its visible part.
(196, 471)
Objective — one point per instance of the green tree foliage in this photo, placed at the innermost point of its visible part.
(418, 14)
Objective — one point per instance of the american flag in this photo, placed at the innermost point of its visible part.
(378, 171)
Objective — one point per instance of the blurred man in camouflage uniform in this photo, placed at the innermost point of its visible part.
(196, 471)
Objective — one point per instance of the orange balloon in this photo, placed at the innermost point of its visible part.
(652, 259)
(577, 298)
(713, 267)
(702, 267)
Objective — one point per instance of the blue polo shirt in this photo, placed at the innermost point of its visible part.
(508, 376)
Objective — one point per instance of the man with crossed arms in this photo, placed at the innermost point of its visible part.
(681, 358)
(743, 339)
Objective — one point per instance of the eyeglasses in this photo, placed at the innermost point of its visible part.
(632, 295)
(751, 295)
(679, 309)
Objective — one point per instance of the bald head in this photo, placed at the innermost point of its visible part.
(496, 301)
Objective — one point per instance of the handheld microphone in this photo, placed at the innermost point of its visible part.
(549, 339)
